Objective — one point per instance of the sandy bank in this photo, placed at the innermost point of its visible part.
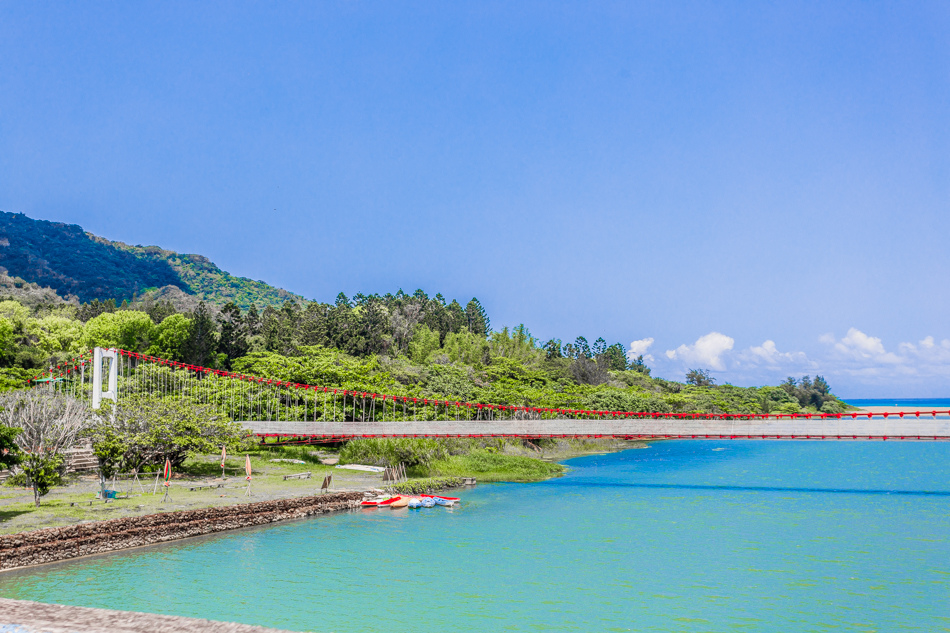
(24, 616)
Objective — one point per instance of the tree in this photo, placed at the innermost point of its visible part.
(700, 378)
(372, 328)
(158, 311)
(253, 321)
(582, 348)
(233, 338)
(8, 346)
(424, 342)
(467, 348)
(9, 451)
(129, 329)
(615, 357)
(456, 316)
(552, 349)
(55, 334)
(517, 344)
(176, 428)
(94, 308)
(403, 323)
(638, 365)
(589, 372)
(202, 338)
(476, 318)
(341, 323)
(170, 337)
(146, 429)
(49, 423)
(313, 324)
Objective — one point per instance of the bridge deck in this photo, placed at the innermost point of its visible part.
(909, 428)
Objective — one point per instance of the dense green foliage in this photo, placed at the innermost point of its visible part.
(410, 452)
(486, 465)
(9, 451)
(143, 430)
(409, 345)
(427, 485)
(74, 263)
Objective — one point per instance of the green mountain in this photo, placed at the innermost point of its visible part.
(80, 265)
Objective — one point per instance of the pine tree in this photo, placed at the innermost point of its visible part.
(202, 339)
(233, 340)
(477, 318)
(252, 321)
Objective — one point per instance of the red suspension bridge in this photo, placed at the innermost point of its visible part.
(291, 411)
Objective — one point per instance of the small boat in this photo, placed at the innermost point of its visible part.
(399, 502)
(439, 501)
(427, 502)
(440, 497)
(415, 502)
(378, 502)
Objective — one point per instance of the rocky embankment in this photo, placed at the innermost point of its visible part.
(54, 544)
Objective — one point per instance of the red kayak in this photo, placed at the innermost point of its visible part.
(439, 497)
(376, 504)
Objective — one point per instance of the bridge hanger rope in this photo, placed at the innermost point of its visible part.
(240, 400)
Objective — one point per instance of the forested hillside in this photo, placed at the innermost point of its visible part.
(84, 267)
(412, 345)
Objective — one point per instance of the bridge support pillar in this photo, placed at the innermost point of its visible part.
(98, 394)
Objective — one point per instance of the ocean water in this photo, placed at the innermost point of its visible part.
(912, 404)
(680, 536)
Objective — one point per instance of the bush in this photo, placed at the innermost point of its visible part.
(492, 466)
(426, 486)
(389, 452)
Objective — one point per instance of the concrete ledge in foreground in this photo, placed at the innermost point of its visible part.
(24, 616)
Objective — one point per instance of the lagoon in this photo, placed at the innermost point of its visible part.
(679, 536)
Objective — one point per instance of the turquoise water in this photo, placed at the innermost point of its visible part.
(912, 404)
(681, 536)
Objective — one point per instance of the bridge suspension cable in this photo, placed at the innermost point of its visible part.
(254, 398)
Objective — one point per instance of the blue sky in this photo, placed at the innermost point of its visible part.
(762, 189)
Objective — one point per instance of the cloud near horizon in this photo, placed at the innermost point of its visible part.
(858, 359)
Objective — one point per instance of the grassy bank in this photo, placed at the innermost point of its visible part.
(434, 465)
(485, 459)
(488, 466)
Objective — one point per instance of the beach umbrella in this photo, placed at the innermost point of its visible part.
(166, 475)
(247, 469)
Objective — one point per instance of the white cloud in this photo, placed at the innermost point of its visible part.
(707, 351)
(856, 346)
(865, 357)
(768, 355)
(640, 347)
(858, 360)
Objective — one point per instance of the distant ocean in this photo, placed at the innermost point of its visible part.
(910, 403)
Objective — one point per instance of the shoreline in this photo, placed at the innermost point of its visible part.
(57, 544)
(27, 616)
(83, 537)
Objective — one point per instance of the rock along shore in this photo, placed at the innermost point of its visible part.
(55, 544)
